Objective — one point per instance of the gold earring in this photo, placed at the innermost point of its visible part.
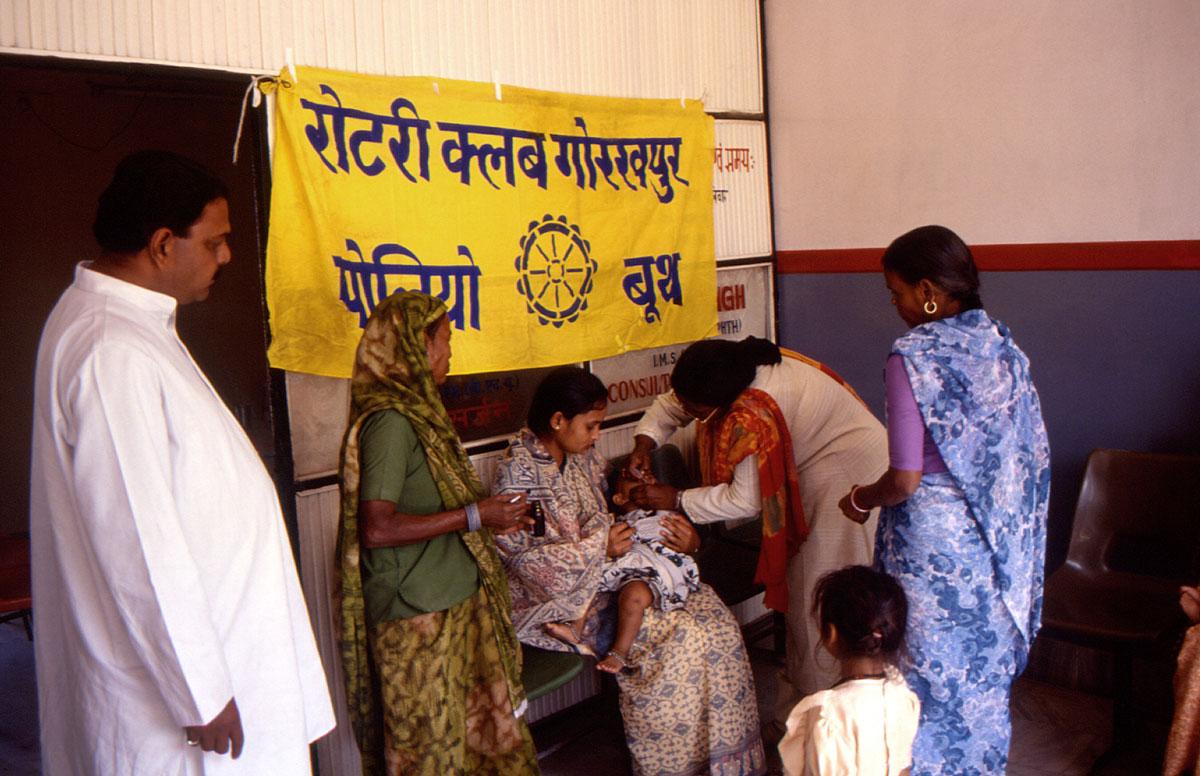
(930, 307)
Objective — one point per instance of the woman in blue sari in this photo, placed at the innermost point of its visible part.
(965, 495)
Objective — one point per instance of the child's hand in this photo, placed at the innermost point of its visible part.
(1189, 599)
(620, 539)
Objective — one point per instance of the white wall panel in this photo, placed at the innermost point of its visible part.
(707, 49)
(741, 191)
(317, 515)
(318, 409)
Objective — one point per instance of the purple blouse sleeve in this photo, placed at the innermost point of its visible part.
(905, 428)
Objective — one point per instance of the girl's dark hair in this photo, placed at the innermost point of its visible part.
(939, 255)
(713, 372)
(150, 190)
(868, 608)
(569, 390)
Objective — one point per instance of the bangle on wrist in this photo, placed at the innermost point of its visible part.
(679, 501)
(474, 522)
(854, 503)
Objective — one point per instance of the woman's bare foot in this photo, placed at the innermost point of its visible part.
(567, 633)
(613, 663)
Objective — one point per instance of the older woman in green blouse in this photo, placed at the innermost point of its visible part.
(431, 659)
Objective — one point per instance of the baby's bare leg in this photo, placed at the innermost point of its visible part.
(634, 599)
(570, 632)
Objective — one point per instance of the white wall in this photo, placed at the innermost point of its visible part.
(1008, 120)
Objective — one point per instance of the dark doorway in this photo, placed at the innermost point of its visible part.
(65, 126)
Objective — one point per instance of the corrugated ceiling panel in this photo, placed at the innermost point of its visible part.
(99, 24)
(369, 45)
(243, 32)
(307, 34)
(53, 19)
(143, 44)
(11, 22)
(339, 35)
(210, 42)
(705, 49)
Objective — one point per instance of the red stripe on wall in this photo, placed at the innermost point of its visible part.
(1143, 255)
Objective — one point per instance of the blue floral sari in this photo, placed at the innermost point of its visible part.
(969, 545)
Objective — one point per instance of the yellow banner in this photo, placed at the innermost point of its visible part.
(557, 227)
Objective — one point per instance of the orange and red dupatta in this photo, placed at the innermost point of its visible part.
(754, 425)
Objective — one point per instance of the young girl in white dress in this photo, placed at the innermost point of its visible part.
(865, 723)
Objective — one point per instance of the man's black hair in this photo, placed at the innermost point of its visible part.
(150, 190)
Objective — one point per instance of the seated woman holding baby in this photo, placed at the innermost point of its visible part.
(687, 694)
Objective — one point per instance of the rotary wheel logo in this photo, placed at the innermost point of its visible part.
(556, 271)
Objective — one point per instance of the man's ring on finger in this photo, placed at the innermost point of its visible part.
(191, 742)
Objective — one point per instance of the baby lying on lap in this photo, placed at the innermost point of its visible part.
(649, 574)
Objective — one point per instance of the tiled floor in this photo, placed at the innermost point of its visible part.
(18, 707)
(1055, 731)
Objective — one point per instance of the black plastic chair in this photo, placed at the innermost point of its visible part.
(1134, 541)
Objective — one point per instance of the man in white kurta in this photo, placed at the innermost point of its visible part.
(836, 442)
(164, 587)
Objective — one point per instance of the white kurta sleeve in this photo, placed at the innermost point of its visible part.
(116, 424)
(736, 500)
(661, 420)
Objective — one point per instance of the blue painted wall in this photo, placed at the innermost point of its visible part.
(1115, 356)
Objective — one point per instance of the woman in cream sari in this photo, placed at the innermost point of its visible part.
(687, 695)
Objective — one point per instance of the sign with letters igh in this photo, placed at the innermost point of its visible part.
(745, 302)
(558, 228)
